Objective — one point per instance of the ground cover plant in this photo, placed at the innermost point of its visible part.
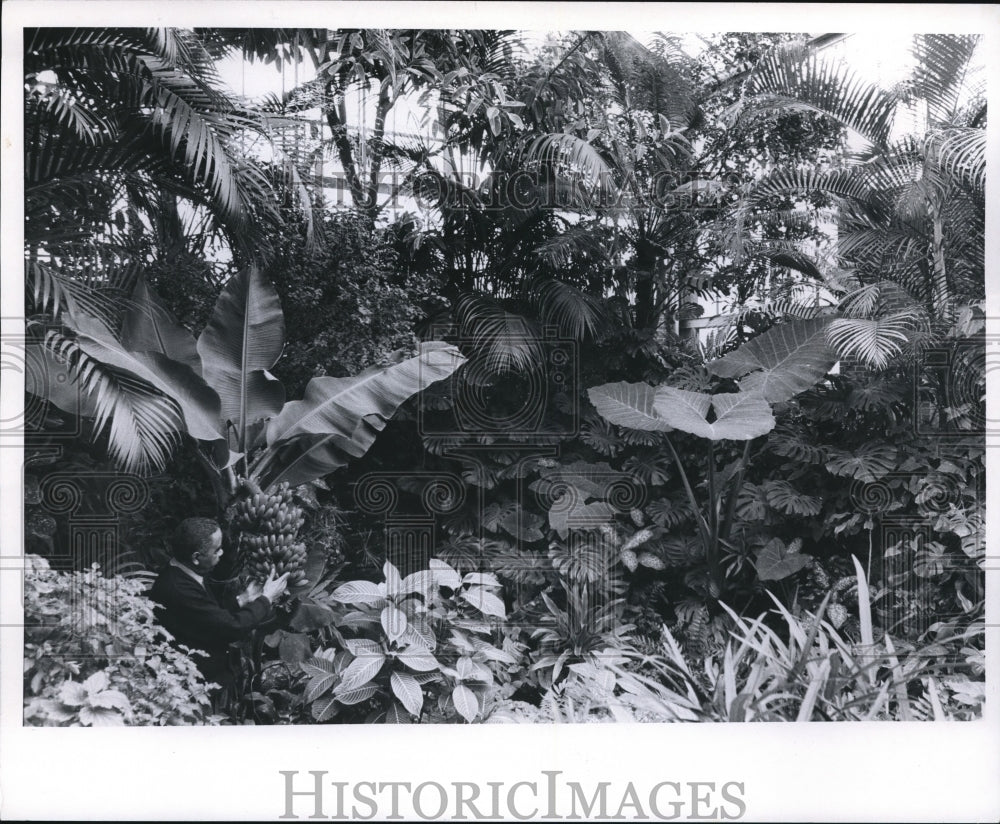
(659, 398)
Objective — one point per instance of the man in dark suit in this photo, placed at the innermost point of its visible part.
(192, 613)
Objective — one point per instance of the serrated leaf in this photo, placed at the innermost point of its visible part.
(465, 702)
(486, 602)
(407, 690)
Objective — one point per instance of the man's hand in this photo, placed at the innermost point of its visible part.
(253, 591)
(273, 587)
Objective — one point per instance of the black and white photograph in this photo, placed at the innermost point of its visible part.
(573, 381)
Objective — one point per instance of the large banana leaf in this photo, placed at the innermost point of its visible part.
(628, 404)
(787, 359)
(150, 327)
(740, 416)
(338, 418)
(243, 339)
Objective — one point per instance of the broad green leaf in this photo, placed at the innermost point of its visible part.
(785, 498)
(149, 326)
(567, 513)
(407, 690)
(242, 340)
(318, 685)
(782, 362)
(740, 416)
(357, 592)
(465, 702)
(397, 714)
(482, 579)
(324, 709)
(444, 574)
(486, 602)
(418, 582)
(775, 562)
(419, 659)
(868, 462)
(338, 418)
(393, 622)
(317, 667)
(628, 404)
(360, 671)
(358, 695)
(362, 646)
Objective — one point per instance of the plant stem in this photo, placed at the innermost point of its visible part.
(699, 518)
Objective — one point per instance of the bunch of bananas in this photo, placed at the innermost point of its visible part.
(269, 524)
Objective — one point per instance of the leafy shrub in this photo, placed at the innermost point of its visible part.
(95, 656)
(802, 669)
(412, 647)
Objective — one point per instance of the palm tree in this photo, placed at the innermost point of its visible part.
(128, 134)
(123, 122)
(910, 231)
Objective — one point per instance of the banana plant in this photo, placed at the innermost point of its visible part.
(218, 389)
(772, 368)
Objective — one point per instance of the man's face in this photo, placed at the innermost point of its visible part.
(207, 557)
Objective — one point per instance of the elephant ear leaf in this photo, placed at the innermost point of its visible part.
(786, 359)
(628, 404)
(242, 341)
(739, 416)
(150, 327)
(338, 418)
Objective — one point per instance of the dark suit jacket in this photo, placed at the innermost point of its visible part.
(195, 617)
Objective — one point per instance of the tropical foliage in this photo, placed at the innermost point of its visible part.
(524, 477)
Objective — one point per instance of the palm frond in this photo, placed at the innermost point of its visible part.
(505, 341)
(873, 341)
(573, 156)
(60, 296)
(943, 62)
(785, 80)
(960, 153)
(143, 426)
(574, 313)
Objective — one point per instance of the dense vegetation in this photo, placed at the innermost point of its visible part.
(528, 482)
